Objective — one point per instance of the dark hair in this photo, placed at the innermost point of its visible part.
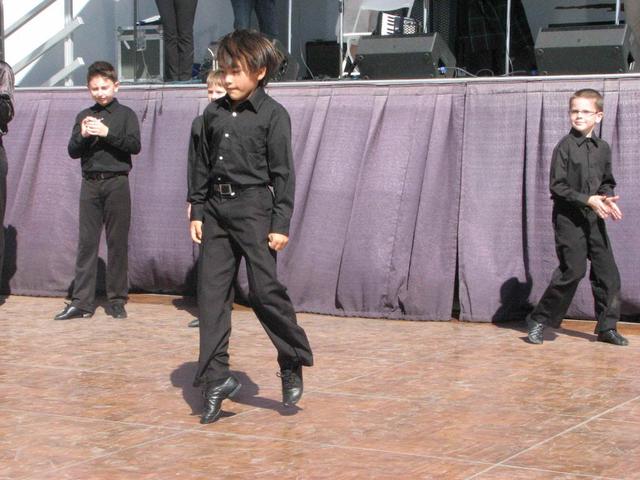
(102, 69)
(251, 50)
(591, 94)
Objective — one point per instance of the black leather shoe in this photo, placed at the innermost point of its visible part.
(292, 385)
(71, 311)
(612, 336)
(116, 310)
(536, 330)
(213, 397)
(195, 323)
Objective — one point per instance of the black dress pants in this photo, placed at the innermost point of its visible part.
(234, 228)
(103, 202)
(4, 168)
(580, 235)
(177, 23)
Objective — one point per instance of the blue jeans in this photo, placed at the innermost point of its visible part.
(265, 11)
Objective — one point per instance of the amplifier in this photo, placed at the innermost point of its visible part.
(589, 49)
(148, 51)
(404, 56)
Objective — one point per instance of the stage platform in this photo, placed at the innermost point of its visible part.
(106, 399)
(411, 196)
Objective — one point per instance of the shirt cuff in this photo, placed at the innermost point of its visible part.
(197, 212)
(280, 226)
(583, 198)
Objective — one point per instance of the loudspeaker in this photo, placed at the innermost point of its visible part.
(590, 49)
(288, 71)
(289, 67)
(443, 19)
(405, 56)
(323, 59)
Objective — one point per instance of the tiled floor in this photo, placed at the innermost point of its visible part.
(112, 399)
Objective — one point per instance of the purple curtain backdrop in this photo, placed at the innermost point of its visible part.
(396, 185)
(506, 245)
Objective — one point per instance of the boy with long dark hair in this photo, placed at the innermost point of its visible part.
(241, 203)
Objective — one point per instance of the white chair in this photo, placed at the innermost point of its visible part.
(350, 32)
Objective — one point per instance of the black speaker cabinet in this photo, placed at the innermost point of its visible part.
(581, 50)
(323, 59)
(404, 56)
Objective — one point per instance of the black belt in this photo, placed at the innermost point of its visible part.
(102, 175)
(231, 189)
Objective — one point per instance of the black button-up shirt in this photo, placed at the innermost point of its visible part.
(249, 144)
(580, 168)
(194, 148)
(113, 152)
(6, 114)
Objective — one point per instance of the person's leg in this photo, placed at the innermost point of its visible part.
(604, 276)
(185, 14)
(267, 20)
(167, 11)
(217, 266)
(3, 202)
(117, 218)
(90, 225)
(242, 14)
(250, 223)
(571, 248)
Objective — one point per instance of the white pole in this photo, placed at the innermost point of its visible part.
(508, 39)
(289, 25)
(618, 12)
(68, 42)
(425, 16)
(341, 7)
(135, 42)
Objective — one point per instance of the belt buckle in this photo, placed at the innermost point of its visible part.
(225, 189)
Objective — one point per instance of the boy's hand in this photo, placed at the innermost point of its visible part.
(196, 231)
(83, 128)
(598, 205)
(94, 126)
(277, 241)
(614, 210)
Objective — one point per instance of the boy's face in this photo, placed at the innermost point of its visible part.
(215, 91)
(102, 89)
(584, 115)
(239, 82)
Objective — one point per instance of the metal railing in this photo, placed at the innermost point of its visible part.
(65, 35)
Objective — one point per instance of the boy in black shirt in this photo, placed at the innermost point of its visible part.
(104, 137)
(215, 90)
(245, 148)
(581, 184)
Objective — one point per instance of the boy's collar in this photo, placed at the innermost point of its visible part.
(580, 138)
(254, 100)
(257, 97)
(107, 107)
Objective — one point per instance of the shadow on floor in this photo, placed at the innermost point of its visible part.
(182, 377)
